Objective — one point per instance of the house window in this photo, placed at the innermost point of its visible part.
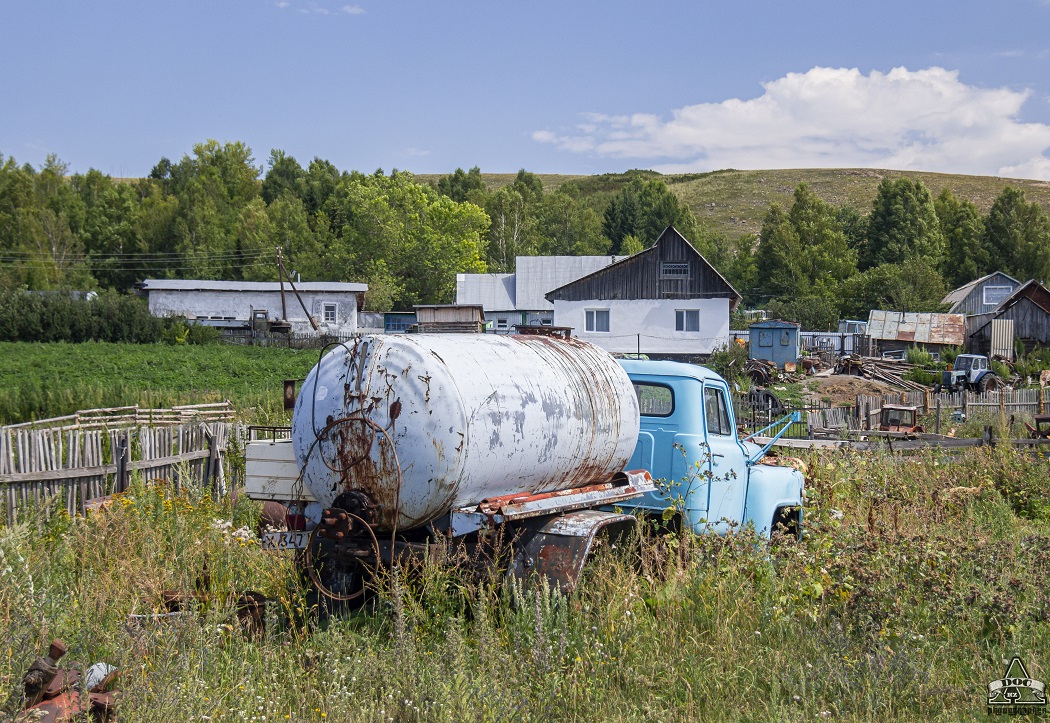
(501, 323)
(687, 320)
(328, 313)
(994, 295)
(597, 320)
(674, 269)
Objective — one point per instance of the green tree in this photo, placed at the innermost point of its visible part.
(903, 225)
(285, 176)
(463, 186)
(513, 231)
(566, 227)
(967, 256)
(1017, 234)
(256, 243)
(916, 286)
(779, 262)
(423, 239)
(644, 208)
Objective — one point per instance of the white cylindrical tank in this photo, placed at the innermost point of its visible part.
(419, 424)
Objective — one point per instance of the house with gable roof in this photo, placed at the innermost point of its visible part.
(667, 300)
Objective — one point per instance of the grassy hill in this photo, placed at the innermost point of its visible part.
(735, 202)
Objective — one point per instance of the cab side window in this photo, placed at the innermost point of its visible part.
(716, 412)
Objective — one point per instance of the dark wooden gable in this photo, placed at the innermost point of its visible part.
(669, 269)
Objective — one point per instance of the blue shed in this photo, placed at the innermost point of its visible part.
(776, 341)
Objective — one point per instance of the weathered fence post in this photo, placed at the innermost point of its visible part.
(937, 424)
(120, 483)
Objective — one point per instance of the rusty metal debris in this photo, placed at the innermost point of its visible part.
(51, 694)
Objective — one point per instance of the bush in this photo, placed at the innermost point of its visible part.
(108, 316)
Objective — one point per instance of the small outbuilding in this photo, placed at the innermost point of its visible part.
(775, 341)
(450, 318)
(897, 331)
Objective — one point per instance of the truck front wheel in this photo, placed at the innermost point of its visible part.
(787, 522)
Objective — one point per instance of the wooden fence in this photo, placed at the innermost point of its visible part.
(80, 463)
(864, 415)
(291, 340)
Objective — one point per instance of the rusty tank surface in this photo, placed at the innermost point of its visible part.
(400, 430)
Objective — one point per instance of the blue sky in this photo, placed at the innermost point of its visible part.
(553, 87)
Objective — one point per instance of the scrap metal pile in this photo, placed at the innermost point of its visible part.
(763, 373)
(888, 371)
(53, 694)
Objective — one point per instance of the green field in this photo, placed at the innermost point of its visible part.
(916, 578)
(48, 380)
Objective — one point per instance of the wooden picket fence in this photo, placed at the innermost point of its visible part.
(77, 461)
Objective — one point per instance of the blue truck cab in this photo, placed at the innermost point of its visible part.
(688, 442)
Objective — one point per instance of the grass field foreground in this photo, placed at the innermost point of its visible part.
(916, 578)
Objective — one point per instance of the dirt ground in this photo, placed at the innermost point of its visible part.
(842, 389)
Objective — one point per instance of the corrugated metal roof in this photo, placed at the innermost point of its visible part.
(202, 285)
(524, 290)
(920, 328)
(538, 275)
(494, 292)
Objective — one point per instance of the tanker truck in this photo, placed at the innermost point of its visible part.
(399, 440)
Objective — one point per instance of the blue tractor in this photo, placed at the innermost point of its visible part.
(970, 372)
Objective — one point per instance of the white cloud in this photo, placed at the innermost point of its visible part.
(313, 8)
(826, 117)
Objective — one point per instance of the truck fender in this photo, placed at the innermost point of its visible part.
(556, 547)
(769, 489)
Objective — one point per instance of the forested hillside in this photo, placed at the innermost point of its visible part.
(812, 245)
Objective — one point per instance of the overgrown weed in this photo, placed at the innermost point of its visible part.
(915, 578)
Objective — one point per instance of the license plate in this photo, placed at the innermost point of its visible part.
(285, 540)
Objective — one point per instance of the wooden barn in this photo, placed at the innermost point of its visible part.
(1024, 316)
(982, 295)
(665, 300)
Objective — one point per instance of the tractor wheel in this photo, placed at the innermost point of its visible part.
(989, 383)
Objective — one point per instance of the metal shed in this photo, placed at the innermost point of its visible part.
(775, 341)
(895, 330)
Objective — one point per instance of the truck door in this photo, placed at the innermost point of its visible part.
(726, 463)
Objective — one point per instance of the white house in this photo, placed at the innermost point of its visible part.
(333, 305)
(666, 300)
(519, 298)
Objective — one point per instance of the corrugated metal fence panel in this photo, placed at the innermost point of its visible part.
(1003, 338)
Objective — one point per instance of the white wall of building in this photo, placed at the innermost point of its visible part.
(649, 324)
(238, 305)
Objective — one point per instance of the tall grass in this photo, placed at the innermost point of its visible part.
(916, 577)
